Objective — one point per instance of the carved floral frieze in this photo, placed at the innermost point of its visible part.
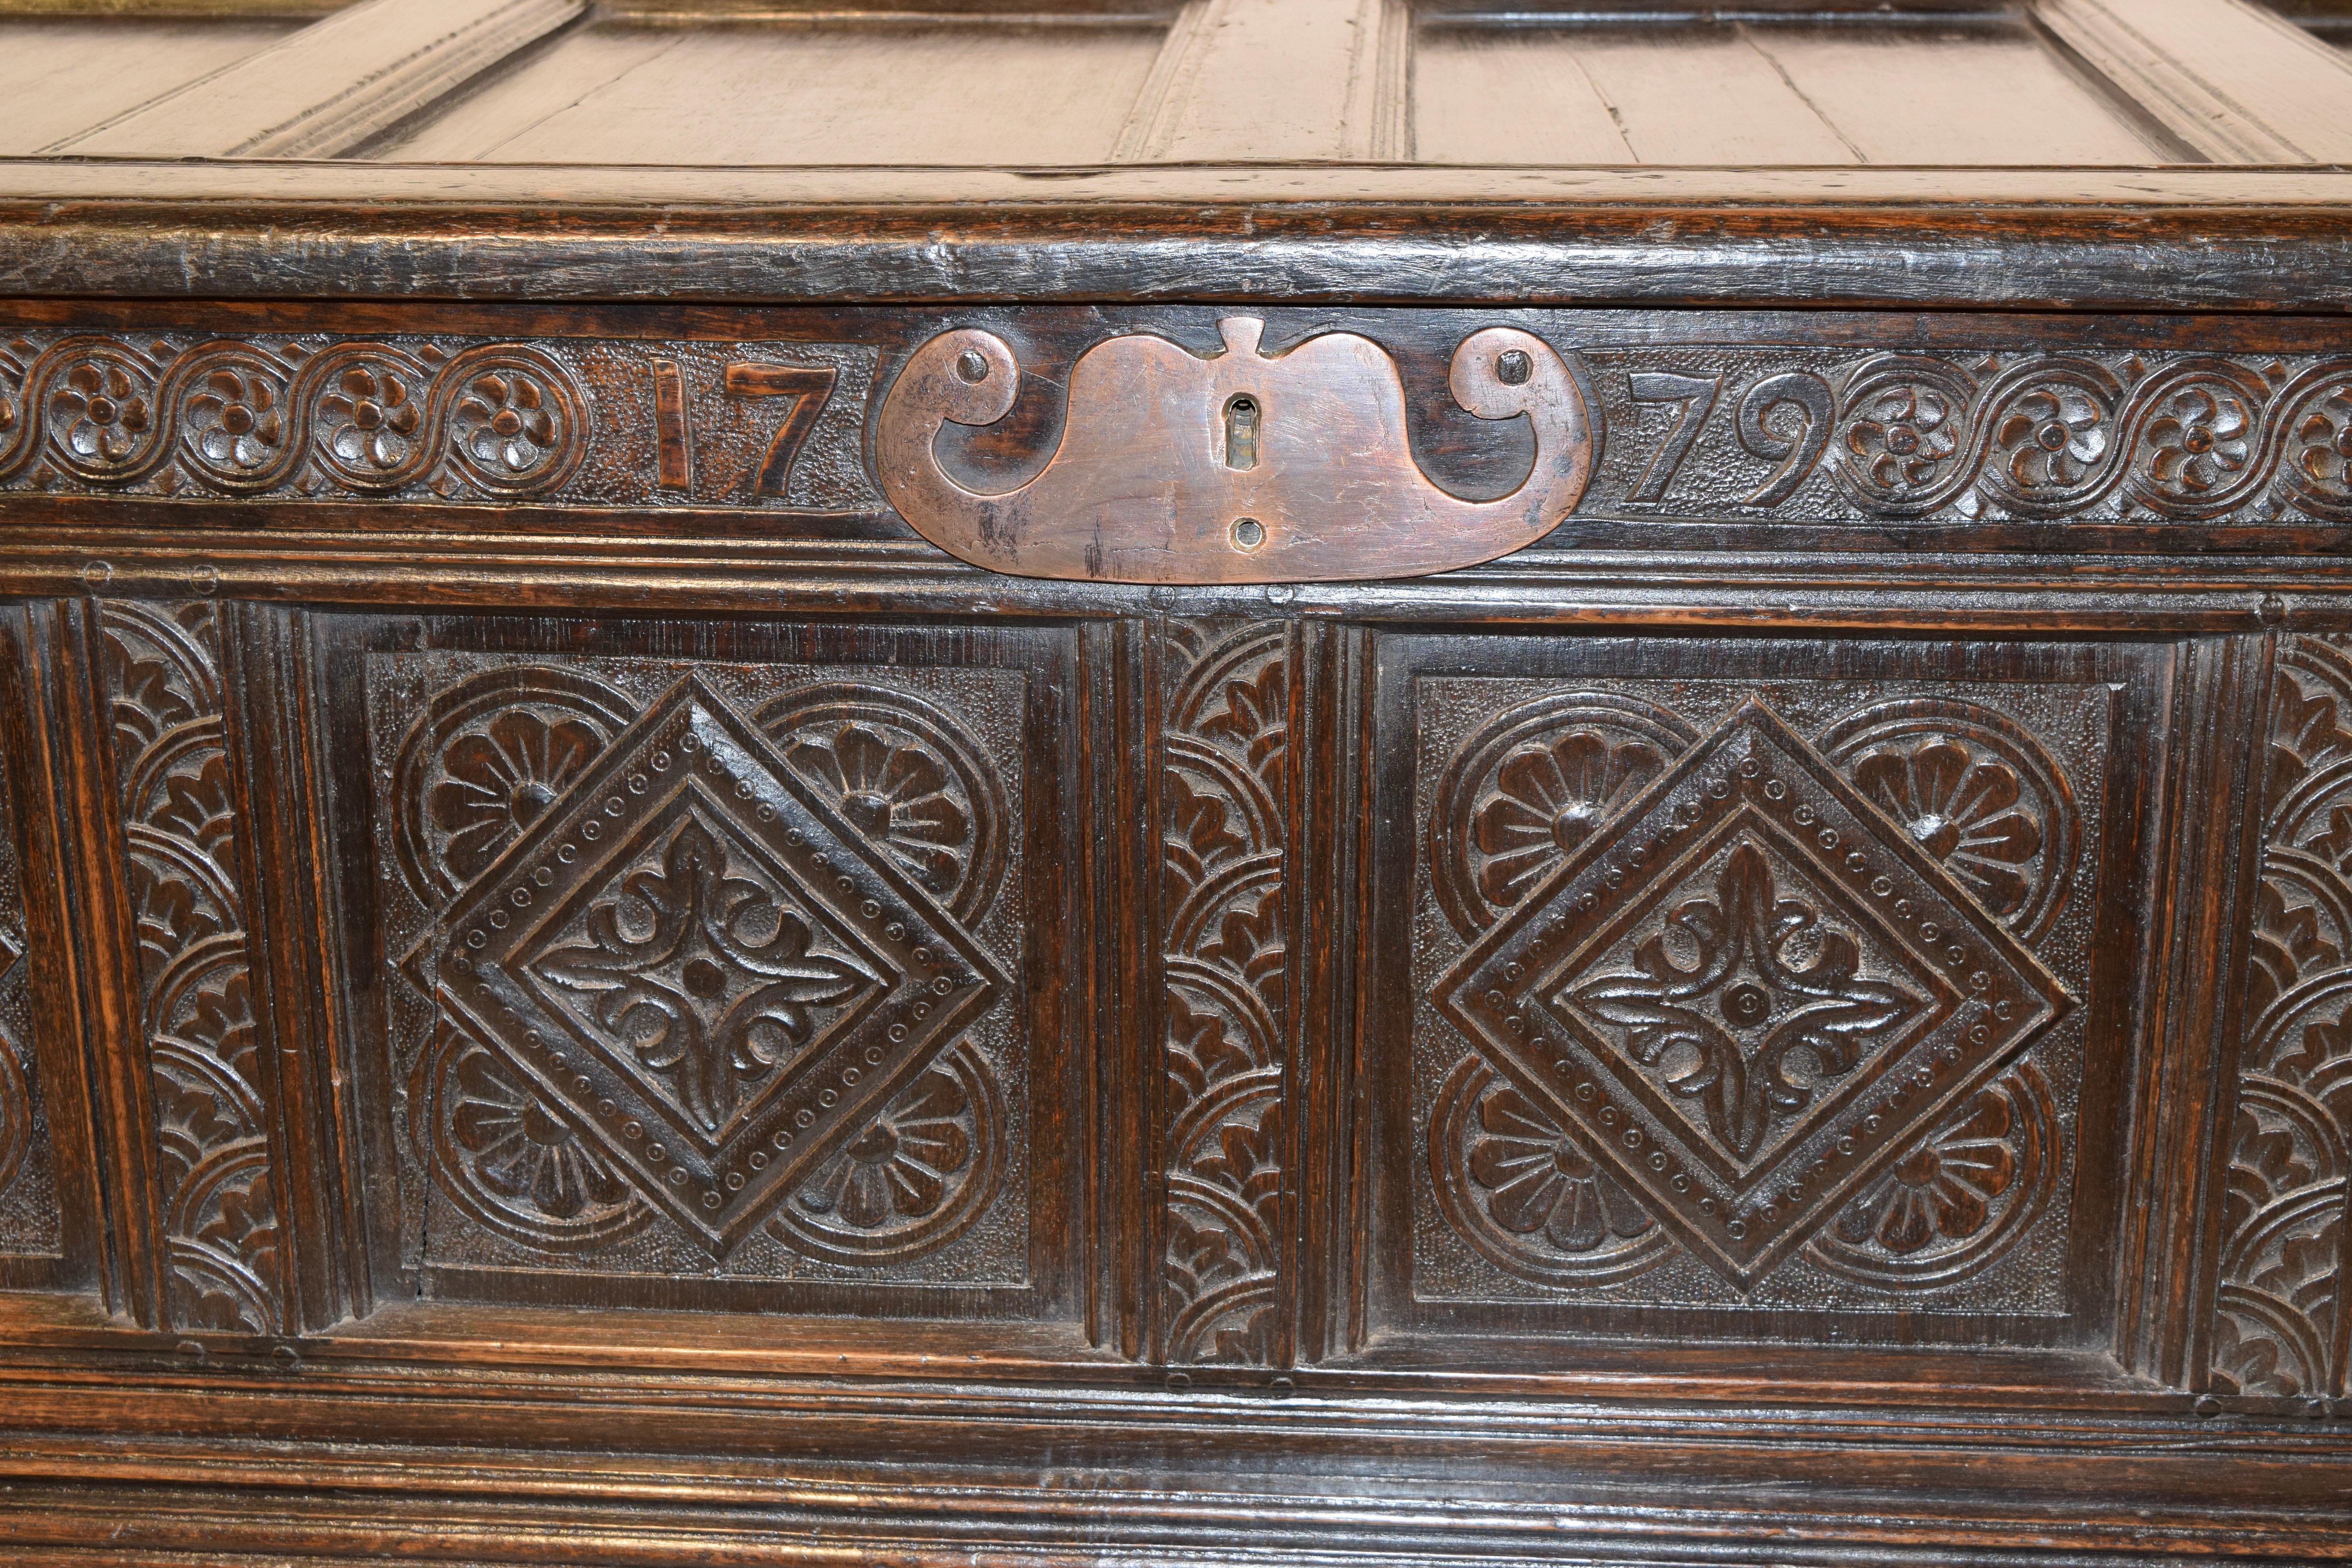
(2098, 435)
(1731, 431)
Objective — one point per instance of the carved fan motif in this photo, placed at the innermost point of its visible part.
(2284, 1214)
(1225, 804)
(485, 760)
(1974, 790)
(1531, 785)
(219, 1220)
(907, 778)
(1959, 1199)
(507, 1156)
(919, 1175)
(1527, 1194)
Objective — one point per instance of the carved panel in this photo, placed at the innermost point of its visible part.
(162, 682)
(1226, 827)
(705, 968)
(1757, 996)
(29, 1219)
(1744, 992)
(2278, 1314)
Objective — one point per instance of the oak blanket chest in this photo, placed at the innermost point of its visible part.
(1251, 782)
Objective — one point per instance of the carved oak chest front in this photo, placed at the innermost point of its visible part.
(1338, 781)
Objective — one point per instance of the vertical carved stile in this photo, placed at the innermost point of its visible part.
(162, 686)
(1225, 825)
(2278, 1309)
(30, 1222)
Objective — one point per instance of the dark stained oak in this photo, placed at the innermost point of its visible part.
(1254, 782)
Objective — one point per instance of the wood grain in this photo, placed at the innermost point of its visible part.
(614, 93)
(92, 71)
(1289, 81)
(330, 86)
(1755, 93)
(2232, 80)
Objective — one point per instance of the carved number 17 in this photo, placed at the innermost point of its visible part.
(809, 388)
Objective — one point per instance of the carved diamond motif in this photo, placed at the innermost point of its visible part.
(706, 969)
(1751, 992)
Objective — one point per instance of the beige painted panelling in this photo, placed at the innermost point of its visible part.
(1287, 80)
(1978, 99)
(1554, 113)
(484, 124)
(1509, 96)
(800, 94)
(1774, 96)
(68, 74)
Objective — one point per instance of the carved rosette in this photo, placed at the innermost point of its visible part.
(511, 420)
(703, 967)
(2282, 1267)
(1753, 998)
(2198, 448)
(1224, 829)
(369, 417)
(220, 1225)
(2317, 462)
(237, 418)
(232, 412)
(2051, 433)
(1906, 428)
(98, 401)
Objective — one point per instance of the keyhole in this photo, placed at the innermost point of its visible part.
(1241, 432)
